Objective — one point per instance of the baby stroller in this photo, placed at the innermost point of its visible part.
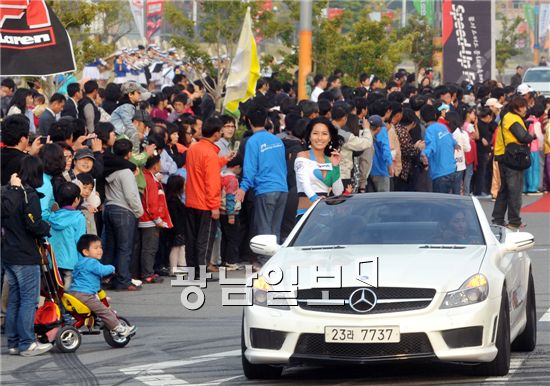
(49, 325)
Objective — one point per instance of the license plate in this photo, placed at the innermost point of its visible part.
(379, 334)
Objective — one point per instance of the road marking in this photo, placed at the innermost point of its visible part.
(217, 381)
(232, 353)
(153, 375)
(159, 366)
(161, 380)
(546, 316)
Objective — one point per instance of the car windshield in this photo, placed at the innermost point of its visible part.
(537, 76)
(388, 220)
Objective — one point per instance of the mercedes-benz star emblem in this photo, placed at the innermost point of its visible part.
(362, 300)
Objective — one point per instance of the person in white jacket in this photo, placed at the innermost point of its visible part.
(318, 169)
(462, 138)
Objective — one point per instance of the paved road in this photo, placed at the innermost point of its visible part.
(175, 346)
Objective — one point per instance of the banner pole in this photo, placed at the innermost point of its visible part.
(304, 50)
(493, 39)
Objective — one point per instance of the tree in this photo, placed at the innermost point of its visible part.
(421, 34)
(94, 27)
(508, 42)
(211, 49)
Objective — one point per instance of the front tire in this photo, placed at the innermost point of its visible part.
(501, 364)
(113, 339)
(253, 371)
(527, 340)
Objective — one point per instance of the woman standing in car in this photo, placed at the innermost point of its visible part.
(318, 169)
(512, 130)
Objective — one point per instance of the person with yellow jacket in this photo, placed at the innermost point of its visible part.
(512, 129)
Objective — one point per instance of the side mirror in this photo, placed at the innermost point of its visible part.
(519, 241)
(264, 245)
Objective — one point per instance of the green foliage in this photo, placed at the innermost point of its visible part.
(369, 46)
(78, 16)
(507, 43)
(421, 34)
(218, 34)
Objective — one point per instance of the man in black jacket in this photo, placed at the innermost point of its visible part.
(49, 116)
(87, 109)
(516, 79)
(71, 106)
(15, 137)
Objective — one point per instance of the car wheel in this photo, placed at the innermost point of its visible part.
(501, 364)
(527, 340)
(253, 371)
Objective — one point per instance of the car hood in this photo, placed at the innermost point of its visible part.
(443, 269)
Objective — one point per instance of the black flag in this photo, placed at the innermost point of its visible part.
(32, 40)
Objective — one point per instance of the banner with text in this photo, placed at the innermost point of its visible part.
(33, 42)
(467, 41)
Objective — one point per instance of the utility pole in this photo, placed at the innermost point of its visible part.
(403, 13)
(195, 17)
(304, 49)
(536, 46)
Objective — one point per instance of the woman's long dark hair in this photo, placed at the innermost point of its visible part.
(335, 140)
(53, 158)
(453, 118)
(19, 99)
(174, 186)
(31, 171)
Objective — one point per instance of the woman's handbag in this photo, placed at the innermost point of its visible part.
(516, 156)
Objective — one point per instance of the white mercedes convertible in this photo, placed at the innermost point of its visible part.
(387, 277)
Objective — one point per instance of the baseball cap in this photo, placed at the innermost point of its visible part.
(143, 116)
(493, 102)
(524, 88)
(132, 86)
(376, 121)
(84, 153)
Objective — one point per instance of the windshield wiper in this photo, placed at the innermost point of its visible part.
(324, 247)
(442, 246)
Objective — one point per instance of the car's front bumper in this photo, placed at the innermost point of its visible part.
(430, 322)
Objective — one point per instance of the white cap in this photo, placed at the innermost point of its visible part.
(524, 88)
(493, 102)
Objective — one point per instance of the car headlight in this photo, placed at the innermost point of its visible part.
(260, 297)
(474, 290)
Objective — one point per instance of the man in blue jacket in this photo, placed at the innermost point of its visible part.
(264, 170)
(439, 151)
(382, 160)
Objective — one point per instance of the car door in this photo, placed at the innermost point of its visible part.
(513, 265)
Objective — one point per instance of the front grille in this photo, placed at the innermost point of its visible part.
(382, 293)
(414, 344)
(267, 339)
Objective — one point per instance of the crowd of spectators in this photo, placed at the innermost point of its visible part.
(166, 181)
